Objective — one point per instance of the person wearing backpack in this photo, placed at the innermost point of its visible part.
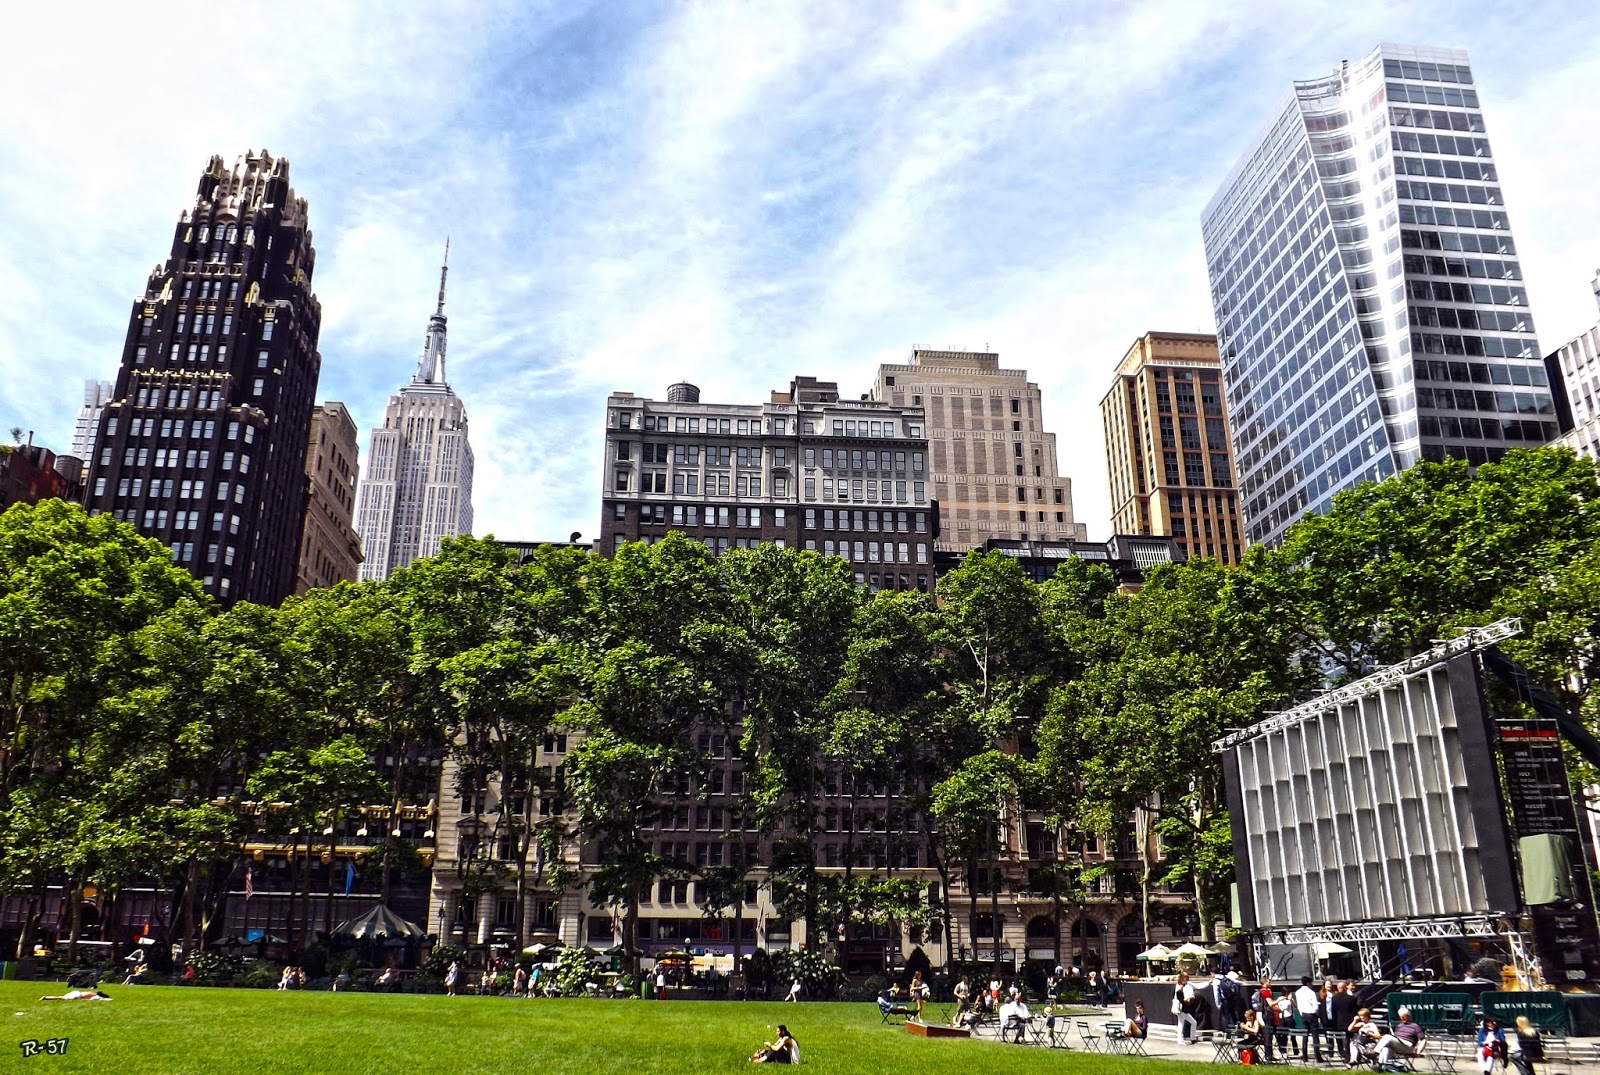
(1262, 1004)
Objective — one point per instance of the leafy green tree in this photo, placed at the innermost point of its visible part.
(775, 654)
(71, 586)
(641, 686)
(972, 805)
(1394, 564)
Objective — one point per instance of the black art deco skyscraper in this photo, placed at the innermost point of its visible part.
(202, 445)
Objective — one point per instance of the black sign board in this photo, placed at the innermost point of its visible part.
(1536, 778)
(1566, 938)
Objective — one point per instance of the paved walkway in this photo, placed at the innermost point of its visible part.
(1573, 1056)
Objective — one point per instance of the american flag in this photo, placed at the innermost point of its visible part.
(249, 883)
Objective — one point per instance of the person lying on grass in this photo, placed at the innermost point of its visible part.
(785, 1050)
(80, 994)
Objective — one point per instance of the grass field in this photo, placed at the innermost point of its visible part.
(161, 1030)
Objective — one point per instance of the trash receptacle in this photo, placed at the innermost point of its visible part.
(646, 989)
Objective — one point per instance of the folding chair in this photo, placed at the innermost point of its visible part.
(1119, 1040)
(1091, 1040)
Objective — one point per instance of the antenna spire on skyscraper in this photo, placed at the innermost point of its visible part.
(444, 269)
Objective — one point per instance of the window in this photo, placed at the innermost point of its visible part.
(256, 386)
(621, 485)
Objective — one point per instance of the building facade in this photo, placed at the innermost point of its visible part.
(1169, 456)
(202, 442)
(993, 463)
(805, 470)
(1126, 556)
(1575, 370)
(330, 551)
(1369, 303)
(96, 394)
(869, 833)
(417, 489)
(30, 473)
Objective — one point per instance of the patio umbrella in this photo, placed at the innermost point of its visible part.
(376, 923)
(1158, 951)
(1324, 949)
(1189, 948)
(535, 949)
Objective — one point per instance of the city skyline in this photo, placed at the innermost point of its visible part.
(627, 212)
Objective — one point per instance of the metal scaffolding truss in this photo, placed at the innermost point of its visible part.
(1418, 929)
(1470, 640)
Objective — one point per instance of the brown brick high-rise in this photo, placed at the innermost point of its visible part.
(202, 445)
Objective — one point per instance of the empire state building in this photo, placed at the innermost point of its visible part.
(417, 489)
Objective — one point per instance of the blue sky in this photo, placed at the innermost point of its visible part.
(638, 193)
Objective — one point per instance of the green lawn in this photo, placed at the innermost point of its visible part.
(163, 1030)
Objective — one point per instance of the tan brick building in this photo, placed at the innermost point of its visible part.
(993, 464)
(330, 551)
(1169, 452)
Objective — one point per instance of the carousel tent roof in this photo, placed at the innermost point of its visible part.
(378, 922)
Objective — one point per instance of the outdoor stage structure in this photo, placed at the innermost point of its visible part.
(1415, 806)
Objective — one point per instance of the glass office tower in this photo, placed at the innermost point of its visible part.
(1369, 303)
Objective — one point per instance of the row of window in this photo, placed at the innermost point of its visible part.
(867, 521)
(210, 290)
(1512, 320)
(870, 551)
(1435, 343)
(1420, 142)
(1465, 122)
(1467, 242)
(1429, 72)
(190, 459)
(778, 427)
(178, 398)
(867, 491)
(856, 459)
(164, 487)
(1400, 93)
(1486, 429)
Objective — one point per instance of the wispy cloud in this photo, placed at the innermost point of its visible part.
(729, 193)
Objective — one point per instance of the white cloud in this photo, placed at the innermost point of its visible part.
(732, 194)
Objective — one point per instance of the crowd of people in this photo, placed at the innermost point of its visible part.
(1328, 1023)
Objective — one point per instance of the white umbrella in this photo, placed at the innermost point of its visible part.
(1324, 949)
(1155, 952)
(1189, 948)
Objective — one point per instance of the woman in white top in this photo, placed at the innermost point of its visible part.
(784, 1050)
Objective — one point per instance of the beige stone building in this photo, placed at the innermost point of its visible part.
(1169, 452)
(330, 552)
(993, 464)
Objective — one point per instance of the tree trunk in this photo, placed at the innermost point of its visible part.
(75, 893)
(392, 822)
(943, 868)
(994, 905)
(738, 935)
(972, 905)
(305, 888)
(26, 937)
(1055, 899)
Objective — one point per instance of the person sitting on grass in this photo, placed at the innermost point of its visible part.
(80, 994)
(785, 1050)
